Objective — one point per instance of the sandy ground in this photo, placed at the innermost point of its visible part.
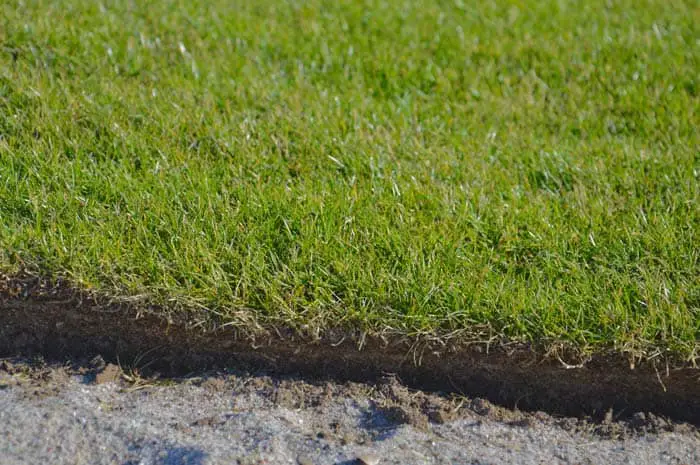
(95, 413)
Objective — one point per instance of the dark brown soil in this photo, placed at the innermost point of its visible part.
(42, 318)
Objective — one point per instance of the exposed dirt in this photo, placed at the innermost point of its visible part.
(91, 411)
(604, 395)
(397, 403)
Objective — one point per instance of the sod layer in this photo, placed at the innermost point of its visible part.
(519, 171)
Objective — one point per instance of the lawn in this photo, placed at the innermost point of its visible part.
(520, 170)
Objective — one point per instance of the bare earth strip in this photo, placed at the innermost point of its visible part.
(93, 413)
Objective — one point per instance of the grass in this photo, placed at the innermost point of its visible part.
(519, 169)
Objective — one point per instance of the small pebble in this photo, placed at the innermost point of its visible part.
(304, 460)
(368, 459)
(110, 374)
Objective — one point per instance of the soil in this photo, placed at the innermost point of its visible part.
(91, 411)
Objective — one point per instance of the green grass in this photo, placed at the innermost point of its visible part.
(519, 169)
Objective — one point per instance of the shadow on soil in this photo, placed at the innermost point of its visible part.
(55, 321)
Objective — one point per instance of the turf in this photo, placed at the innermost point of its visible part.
(527, 170)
